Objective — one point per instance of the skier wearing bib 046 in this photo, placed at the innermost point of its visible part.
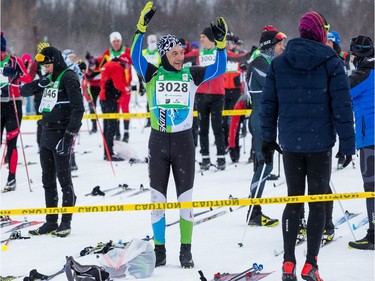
(62, 110)
(170, 91)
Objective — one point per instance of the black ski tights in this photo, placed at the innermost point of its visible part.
(317, 168)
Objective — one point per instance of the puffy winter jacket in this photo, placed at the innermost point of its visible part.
(362, 91)
(306, 93)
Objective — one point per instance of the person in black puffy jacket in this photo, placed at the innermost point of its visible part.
(306, 98)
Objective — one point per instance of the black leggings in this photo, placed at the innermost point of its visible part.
(207, 105)
(9, 122)
(317, 168)
(171, 150)
(110, 125)
(54, 166)
(366, 155)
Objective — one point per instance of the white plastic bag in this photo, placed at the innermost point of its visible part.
(137, 257)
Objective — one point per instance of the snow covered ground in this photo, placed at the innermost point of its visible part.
(215, 246)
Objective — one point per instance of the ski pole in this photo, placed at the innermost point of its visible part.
(251, 206)
(278, 168)
(19, 128)
(4, 153)
(100, 127)
(342, 209)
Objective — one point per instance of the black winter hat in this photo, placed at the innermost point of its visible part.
(362, 46)
(208, 32)
(267, 39)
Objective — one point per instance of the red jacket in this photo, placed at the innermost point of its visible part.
(233, 72)
(242, 103)
(120, 75)
(214, 86)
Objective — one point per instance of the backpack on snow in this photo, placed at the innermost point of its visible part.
(77, 272)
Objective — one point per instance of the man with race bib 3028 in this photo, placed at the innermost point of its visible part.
(170, 91)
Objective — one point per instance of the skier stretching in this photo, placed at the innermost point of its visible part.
(171, 90)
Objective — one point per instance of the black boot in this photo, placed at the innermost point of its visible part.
(186, 258)
(160, 254)
(46, 228)
(63, 230)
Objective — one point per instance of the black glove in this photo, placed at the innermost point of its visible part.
(64, 146)
(82, 66)
(220, 31)
(234, 153)
(243, 66)
(134, 88)
(348, 158)
(268, 148)
(9, 71)
(44, 82)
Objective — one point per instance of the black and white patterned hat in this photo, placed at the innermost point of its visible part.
(166, 43)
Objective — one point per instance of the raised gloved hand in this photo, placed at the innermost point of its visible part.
(146, 15)
(64, 146)
(348, 158)
(268, 148)
(220, 31)
(45, 81)
(9, 71)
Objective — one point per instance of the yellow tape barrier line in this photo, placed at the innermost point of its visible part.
(138, 115)
(187, 205)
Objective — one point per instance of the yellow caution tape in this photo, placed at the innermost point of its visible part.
(138, 115)
(188, 205)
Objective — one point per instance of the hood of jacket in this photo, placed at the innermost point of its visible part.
(59, 64)
(306, 54)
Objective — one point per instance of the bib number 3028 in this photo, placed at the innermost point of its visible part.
(172, 93)
(172, 87)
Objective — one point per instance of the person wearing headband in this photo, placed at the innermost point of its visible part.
(62, 111)
(171, 90)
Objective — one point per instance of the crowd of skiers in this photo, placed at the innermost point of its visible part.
(302, 94)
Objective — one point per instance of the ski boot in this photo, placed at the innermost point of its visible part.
(205, 164)
(301, 236)
(46, 228)
(289, 271)
(186, 258)
(63, 230)
(310, 273)
(221, 163)
(263, 220)
(126, 137)
(160, 254)
(328, 235)
(10, 185)
(366, 243)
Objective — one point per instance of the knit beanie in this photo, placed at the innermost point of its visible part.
(362, 46)
(3, 42)
(115, 36)
(311, 26)
(267, 39)
(166, 43)
(208, 32)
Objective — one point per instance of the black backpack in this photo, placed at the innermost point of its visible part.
(77, 272)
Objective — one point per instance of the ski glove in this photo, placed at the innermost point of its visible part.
(220, 31)
(268, 148)
(9, 71)
(64, 146)
(45, 81)
(146, 15)
(348, 158)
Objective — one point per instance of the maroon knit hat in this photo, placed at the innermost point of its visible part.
(311, 26)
